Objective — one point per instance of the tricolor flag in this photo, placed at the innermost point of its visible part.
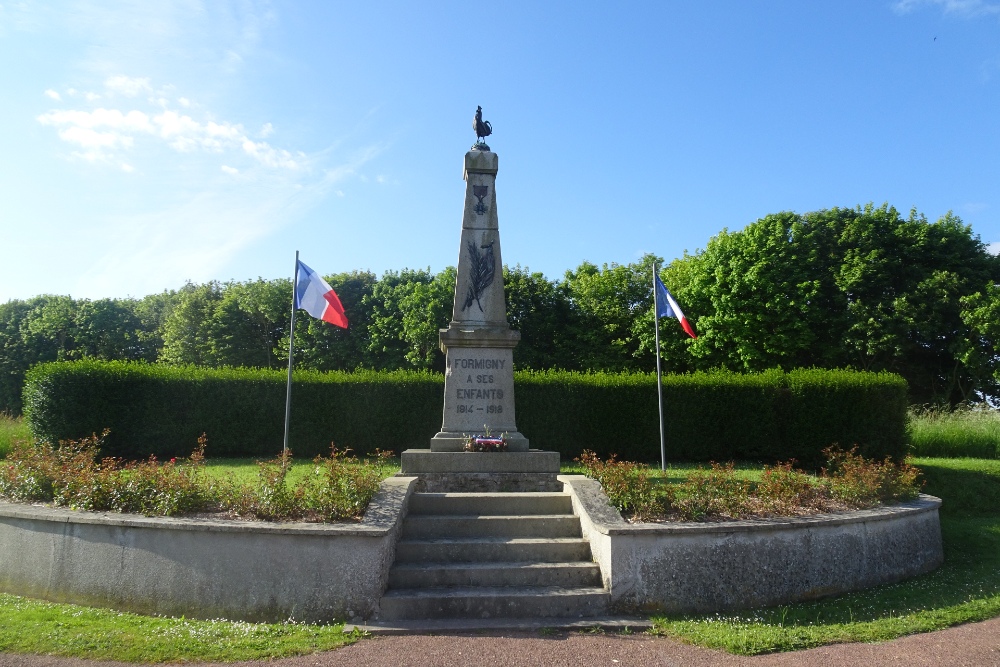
(667, 307)
(315, 296)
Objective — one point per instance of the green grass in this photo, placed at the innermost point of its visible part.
(11, 429)
(31, 626)
(676, 472)
(965, 588)
(244, 471)
(971, 432)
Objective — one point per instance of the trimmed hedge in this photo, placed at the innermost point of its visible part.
(718, 416)
(161, 410)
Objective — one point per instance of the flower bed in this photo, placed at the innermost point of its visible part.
(72, 475)
(848, 482)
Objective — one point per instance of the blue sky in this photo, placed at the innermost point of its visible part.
(143, 144)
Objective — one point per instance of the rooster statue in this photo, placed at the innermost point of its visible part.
(482, 128)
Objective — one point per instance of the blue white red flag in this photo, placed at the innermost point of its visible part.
(666, 306)
(315, 296)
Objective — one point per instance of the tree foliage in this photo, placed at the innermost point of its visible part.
(864, 288)
(859, 288)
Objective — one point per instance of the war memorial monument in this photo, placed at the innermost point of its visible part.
(479, 365)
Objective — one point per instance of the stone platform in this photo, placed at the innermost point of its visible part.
(482, 472)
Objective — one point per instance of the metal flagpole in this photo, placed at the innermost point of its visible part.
(659, 376)
(291, 348)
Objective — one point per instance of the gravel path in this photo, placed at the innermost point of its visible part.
(973, 645)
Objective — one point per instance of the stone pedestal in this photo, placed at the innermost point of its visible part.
(482, 472)
(478, 343)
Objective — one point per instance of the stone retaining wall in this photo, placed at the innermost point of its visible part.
(710, 567)
(252, 571)
(258, 571)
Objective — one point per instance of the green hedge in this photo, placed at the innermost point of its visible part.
(718, 416)
(161, 410)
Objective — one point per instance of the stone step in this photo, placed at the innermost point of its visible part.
(494, 602)
(437, 626)
(483, 504)
(548, 550)
(431, 575)
(458, 526)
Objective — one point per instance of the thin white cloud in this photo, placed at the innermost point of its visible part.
(128, 86)
(53, 95)
(113, 119)
(269, 156)
(962, 8)
(232, 192)
(994, 247)
(198, 238)
(93, 140)
(102, 132)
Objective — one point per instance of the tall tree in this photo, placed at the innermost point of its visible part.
(188, 332)
(542, 311)
(864, 288)
(320, 346)
(407, 310)
(610, 303)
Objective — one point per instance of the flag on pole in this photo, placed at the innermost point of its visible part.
(315, 296)
(666, 306)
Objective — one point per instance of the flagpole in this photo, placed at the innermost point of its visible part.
(291, 349)
(659, 376)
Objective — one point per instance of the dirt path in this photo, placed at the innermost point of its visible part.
(973, 645)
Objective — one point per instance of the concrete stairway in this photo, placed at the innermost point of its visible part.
(492, 555)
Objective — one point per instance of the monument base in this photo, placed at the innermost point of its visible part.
(482, 472)
(445, 441)
(417, 461)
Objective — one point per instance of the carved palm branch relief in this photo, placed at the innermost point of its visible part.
(482, 267)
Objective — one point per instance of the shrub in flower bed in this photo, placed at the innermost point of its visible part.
(628, 484)
(340, 487)
(849, 481)
(71, 475)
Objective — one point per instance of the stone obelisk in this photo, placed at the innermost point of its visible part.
(478, 343)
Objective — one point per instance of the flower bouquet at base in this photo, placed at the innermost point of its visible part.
(486, 442)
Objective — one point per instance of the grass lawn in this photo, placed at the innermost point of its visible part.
(11, 430)
(972, 432)
(31, 626)
(245, 470)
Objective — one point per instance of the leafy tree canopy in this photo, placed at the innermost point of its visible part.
(864, 288)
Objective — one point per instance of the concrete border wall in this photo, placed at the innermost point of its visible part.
(252, 571)
(258, 571)
(709, 567)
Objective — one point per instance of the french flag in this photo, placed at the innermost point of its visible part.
(667, 307)
(315, 296)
